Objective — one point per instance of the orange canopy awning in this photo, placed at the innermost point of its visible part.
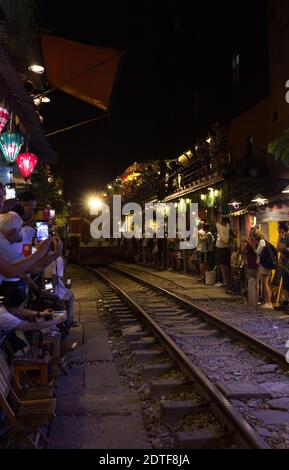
(86, 72)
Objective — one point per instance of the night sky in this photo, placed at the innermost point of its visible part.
(150, 91)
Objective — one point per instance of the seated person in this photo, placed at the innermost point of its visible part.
(10, 226)
(57, 270)
(13, 314)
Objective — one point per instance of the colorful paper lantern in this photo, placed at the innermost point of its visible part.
(10, 144)
(4, 116)
(26, 162)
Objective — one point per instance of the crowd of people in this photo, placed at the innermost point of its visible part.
(26, 264)
(36, 302)
(236, 261)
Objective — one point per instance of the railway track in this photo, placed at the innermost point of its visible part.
(256, 344)
(157, 322)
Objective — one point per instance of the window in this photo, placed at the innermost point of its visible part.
(236, 68)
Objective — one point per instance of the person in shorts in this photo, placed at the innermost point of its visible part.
(202, 250)
(263, 274)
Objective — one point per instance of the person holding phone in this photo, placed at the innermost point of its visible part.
(11, 315)
(10, 226)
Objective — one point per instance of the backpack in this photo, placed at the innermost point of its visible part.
(269, 257)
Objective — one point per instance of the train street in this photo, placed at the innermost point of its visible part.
(144, 232)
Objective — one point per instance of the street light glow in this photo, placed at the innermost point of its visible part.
(95, 203)
(35, 68)
(45, 99)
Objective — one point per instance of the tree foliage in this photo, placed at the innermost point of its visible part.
(49, 193)
(279, 149)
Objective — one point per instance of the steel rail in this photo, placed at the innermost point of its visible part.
(234, 331)
(244, 434)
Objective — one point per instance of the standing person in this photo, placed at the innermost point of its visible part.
(160, 253)
(222, 248)
(249, 248)
(283, 248)
(202, 251)
(210, 246)
(235, 251)
(263, 272)
(171, 253)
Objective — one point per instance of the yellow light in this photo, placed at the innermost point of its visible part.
(94, 203)
(109, 186)
(189, 154)
(183, 159)
(216, 192)
(176, 204)
(209, 140)
(35, 68)
(203, 197)
(188, 201)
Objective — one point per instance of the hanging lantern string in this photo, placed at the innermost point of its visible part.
(99, 64)
(83, 123)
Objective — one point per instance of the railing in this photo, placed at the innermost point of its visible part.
(199, 169)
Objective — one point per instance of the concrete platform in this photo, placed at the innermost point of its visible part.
(92, 404)
(183, 284)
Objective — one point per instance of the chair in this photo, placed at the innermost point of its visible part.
(25, 391)
(24, 418)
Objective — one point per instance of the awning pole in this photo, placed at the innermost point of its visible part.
(78, 125)
(99, 64)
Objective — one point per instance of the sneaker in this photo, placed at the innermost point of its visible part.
(218, 284)
(267, 306)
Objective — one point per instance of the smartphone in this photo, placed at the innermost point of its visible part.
(42, 231)
(48, 286)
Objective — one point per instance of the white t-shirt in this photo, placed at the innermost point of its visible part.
(28, 235)
(223, 235)
(8, 321)
(58, 271)
(202, 241)
(58, 267)
(259, 250)
(10, 253)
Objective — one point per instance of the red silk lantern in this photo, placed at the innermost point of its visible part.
(26, 162)
(4, 116)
